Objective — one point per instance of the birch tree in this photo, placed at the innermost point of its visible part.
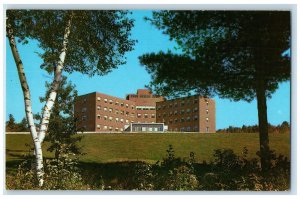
(89, 42)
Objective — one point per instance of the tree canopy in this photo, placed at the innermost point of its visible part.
(223, 52)
(97, 43)
(235, 54)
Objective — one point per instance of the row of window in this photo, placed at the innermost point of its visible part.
(187, 119)
(182, 103)
(116, 103)
(145, 115)
(108, 128)
(179, 112)
(109, 118)
(117, 111)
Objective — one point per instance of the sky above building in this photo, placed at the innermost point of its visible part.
(128, 78)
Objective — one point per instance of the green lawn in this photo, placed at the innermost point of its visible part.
(150, 147)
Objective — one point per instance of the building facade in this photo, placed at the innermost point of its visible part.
(98, 112)
(188, 114)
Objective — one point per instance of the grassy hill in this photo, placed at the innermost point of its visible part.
(150, 147)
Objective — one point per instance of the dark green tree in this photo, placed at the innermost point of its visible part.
(23, 125)
(10, 124)
(235, 54)
(86, 41)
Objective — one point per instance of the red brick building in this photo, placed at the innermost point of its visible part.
(98, 112)
(188, 114)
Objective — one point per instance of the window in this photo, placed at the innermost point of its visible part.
(207, 119)
(188, 119)
(182, 120)
(139, 115)
(182, 129)
(105, 127)
(105, 117)
(117, 103)
(98, 116)
(110, 101)
(195, 117)
(195, 128)
(110, 110)
(110, 118)
(132, 107)
(188, 129)
(83, 110)
(195, 101)
(105, 109)
(182, 103)
(146, 116)
(98, 98)
(170, 105)
(207, 129)
(206, 111)
(127, 113)
(117, 119)
(175, 121)
(195, 109)
(175, 105)
(122, 104)
(84, 100)
(84, 118)
(170, 113)
(122, 120)
(98, 108)
(127, 121)
(188, 110)
(126, 105)
(170, 121)
(116, 129)
(152, 115)
(175, 112)
(110, 128)
(122, 112)
(121, 129)
(117, 111)
(206, 101)
(98, 126)
(105, 100)
(182, 111)
(158, 116)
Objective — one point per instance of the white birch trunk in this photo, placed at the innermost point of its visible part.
(55, 84)
(28, 108)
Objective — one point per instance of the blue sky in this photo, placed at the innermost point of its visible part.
(128, 78)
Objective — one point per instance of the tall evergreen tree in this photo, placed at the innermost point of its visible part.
(10, 124)
(235, 54)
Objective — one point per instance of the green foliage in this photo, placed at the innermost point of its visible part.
(170, 174)
(60, 174)
(12, 126)
(221, 52)
(97, 43)
(227, 171)
(239, 55)
(281, 128)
